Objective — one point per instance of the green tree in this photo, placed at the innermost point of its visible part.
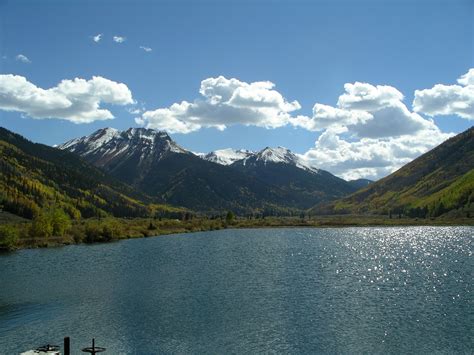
(8, 237)
(60, 222)
(439, 209)
(102, 231)
(229, 216)
(151, 226)
(110, 229)
(92, 232)
(41, 227)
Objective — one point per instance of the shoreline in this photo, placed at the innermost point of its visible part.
(149, 228)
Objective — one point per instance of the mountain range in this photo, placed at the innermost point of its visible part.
(139, 171)
(274, 179)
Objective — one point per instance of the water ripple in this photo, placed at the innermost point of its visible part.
(347, 290)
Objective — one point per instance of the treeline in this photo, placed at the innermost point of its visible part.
(48, 223)
(435, 210)
(458, 198)
(54, 226)
(454, 199)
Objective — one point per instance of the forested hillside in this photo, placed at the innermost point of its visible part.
(35, 176)
(436, 183)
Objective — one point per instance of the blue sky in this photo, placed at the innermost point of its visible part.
(308, 49)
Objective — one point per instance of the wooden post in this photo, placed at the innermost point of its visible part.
(67, 346)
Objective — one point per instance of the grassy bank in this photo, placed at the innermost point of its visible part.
(17, 233)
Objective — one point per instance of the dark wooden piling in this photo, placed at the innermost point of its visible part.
(67, 346)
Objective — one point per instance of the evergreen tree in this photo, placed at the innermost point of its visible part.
(229, 216)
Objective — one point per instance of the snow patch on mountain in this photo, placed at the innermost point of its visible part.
(226, 156)
(94, 141)
(110, 142)
(283, 155)
(276, 155)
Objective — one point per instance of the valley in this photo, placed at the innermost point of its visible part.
(125, 184)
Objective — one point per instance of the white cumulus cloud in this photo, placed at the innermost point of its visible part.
(146, 49)
(368, 157)
(23, 58)
(468, 78)
(76, 100)
(97, 38)
(224, 102)
(368, 111)
(448, 99)
(364, 96)
(370, 133)
(325, 116)
(119, 39)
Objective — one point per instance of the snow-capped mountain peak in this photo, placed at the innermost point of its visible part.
(109, 143)
(284, 156)
(276, 155)
(146, 133)
(94, 141)
(226, 156)
(146, 145)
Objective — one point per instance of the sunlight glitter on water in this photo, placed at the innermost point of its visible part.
(345, 290)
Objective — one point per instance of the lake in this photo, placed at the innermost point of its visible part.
(336, 290)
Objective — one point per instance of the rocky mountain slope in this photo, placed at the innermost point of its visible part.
(272, 179)
(281, 167)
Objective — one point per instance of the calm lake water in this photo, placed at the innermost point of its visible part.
(347, 290)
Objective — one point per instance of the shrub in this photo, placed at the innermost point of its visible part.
(77, 235)
(60, 222)
(229, 216)
(92, 232)
(110, 229)
(103, 231)
(8, 237)
(41, 227)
